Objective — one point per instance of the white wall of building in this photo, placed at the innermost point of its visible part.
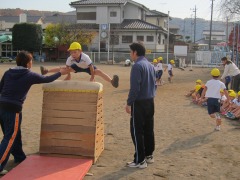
(117, 19)
(131, 12)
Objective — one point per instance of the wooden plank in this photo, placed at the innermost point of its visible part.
(68, 136)
(69, 97)
(73, 106)
(69, 121)
(68, 114)
(67, 150)
(66, 128)
(48, 142)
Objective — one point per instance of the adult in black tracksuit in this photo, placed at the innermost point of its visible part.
(140, 104)
(14, 87)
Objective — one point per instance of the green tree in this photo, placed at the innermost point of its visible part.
(27, 37)
(63, 34)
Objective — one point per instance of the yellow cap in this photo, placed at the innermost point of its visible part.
(215, 72)
(172, 61)
(198, 81)
(233, 94)
(197, 87)
(155, 61)
(221, 90)
(230, 90)
(160, 58)
(75, 46)
(238, 93)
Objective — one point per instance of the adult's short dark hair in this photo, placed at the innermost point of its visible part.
(226, 59)
(139, 48)
(23, 58)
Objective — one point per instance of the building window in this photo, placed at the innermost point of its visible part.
(159, 39)
(113, 14)
(127, 39)
(165, 24)
(207, 38)
(114, 39)
(150, 38)
(214, 38)
(123, 14)
(140, 38)
(86, 16)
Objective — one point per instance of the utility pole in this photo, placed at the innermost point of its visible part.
(195, 23)
(168, 37)
(191, 29)
(184, 30)
(210, 38)
(227, 31)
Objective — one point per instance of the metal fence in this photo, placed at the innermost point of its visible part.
(198, 58)
(118, 57)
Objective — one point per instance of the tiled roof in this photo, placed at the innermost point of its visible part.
(90, 2)
(155, 13)
(127, 24)
(138, 25)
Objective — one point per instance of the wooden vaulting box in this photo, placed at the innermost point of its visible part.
(72, 119)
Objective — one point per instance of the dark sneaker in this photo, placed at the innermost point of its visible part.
(149, 159)
(115, 81)
(43, 70)
(141, 165)
(3, 172)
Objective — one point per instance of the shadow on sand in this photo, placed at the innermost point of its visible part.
(190, 143)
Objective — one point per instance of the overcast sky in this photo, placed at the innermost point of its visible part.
(177, 8)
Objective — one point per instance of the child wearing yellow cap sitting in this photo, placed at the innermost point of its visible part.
(191, 92)
(235, 113)
(226, 104)
(170, 70)
(212, 93)
(81, 62)
(234, 107)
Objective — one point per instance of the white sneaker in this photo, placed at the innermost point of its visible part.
(3, 172)
(141, 165)
(149, 159)
(217, 128)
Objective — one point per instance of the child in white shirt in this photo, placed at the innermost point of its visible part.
(212, 93)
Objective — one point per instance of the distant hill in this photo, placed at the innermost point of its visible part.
(201, 24)
(17, 11)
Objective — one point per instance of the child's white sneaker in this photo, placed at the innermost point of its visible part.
(217, 128)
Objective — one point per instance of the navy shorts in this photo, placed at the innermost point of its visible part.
(159, 74)
(78, 69)
(170, 73)
(213, 105)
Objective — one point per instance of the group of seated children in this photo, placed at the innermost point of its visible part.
(230, 109)
(158, 66)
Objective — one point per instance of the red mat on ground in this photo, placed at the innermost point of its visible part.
(49, 168)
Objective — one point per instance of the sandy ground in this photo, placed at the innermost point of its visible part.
(187, 147)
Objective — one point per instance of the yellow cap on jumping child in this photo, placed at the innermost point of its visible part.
(155, 61)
